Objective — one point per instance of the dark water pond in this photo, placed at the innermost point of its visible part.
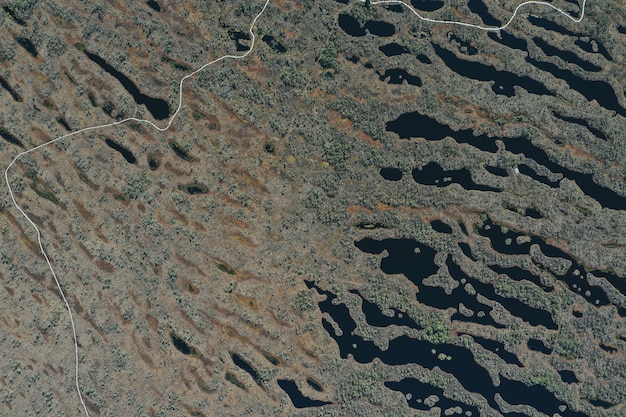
(607, 348)
(433, 174)
(242, 364)
(568, 377)
(181, 152)
(478, 7)
(532, 212)
(532, 315)
(509, 40)
(549, 25)
(515, 392)
(10, 137)
(467, 251)
(156, 106)
(567, 56)
(416, 262)
(538, 346)
(297, 398)
(528, 171)
(605, 196)
(416, 392)
(398, 76)
(423, 59)
(127, 154)
(601, 403)
(427, 5)
(586, 46)
(391, 174)
(352, 27)
(5, 84)
(497, 348)
(441, 227)
(382, 29)
(414, 124)
(194, 188)
(375, 317)
(464, 47)
(455, 360)
(520, 274)
(575, 277)
(274, 44)
(27, 44)
(393, 49)
(154, 5)
(314, 384)
(503, 81)
(181, 346)
(497, 171)
(64, 123)
(581, 122)
(600, 91)
(238, 36)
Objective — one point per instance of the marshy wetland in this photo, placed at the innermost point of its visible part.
(369, 215)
